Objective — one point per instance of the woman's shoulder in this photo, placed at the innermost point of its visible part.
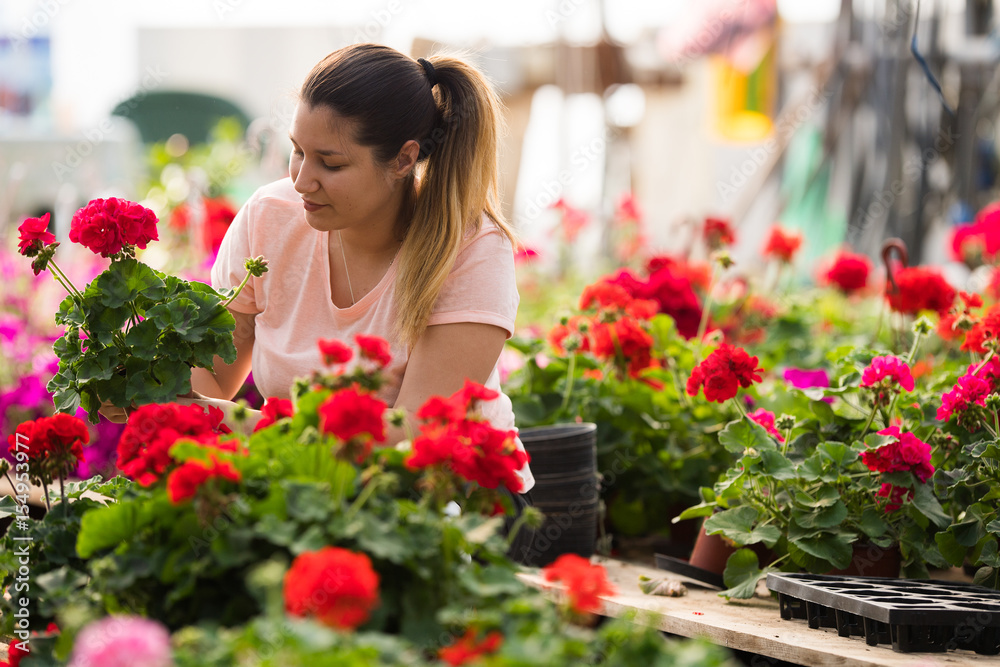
(488, 236)
(278, 193)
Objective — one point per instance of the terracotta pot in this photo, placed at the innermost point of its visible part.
(869, 560)
(711, 552)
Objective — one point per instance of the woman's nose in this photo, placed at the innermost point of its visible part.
(303, 179)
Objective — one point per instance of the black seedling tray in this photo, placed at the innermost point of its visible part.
(912, 615)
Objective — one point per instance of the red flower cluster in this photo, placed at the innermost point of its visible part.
(918, 289)
(472, 449)
(718, 233)
(337, 586)
(334, 352)
(723, 373)
(967, 399)
(219, 215)
(144, 446)
(979, 241)
(572, 336)
(584, 582)
(105, 226)
(35, 235)
(53, 445)
(849, 272)
(905, 453)
(766, 419)
(374, 349)
(960, 321)
(273, 410)
(356, 418)
(887, 372)
(468, 649)
(891, 497)
(573, 220)
(670, 285)
(185, 480)
(782, 244)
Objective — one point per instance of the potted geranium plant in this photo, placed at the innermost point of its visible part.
(830, 484)
(133, 334)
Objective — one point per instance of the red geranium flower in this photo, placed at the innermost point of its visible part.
(766, 419)
(35, 235)
(374, 348)
(144, 446)
(573, 220)
(604, 296)
(53, 445)
(105, 226)
(337, 586)
(718, 233)
(849, 272)
(966, 401)
(919, 288)
(273, 410)
(562, 337)
(185, 480)
(891, 497)
(356, 417)
(467, 648)
(722, 374)
(888, 368)
(334, 352)
(584, 582)
(782, 244)
(219, 214)
(905, 453)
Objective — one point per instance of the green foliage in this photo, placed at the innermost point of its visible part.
(144, 331)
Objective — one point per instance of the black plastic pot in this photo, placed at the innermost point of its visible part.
(564, 464)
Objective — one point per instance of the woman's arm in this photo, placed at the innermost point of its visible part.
(443, 358)
(228, 378)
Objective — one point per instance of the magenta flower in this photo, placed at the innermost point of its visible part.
(962, 401)
(122, 641)
(906, 453)
(766, 419)
(888, 367)
(804, 379)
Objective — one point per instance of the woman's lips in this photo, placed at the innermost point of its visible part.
(311, 207)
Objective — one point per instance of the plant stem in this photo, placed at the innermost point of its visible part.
(62, 497)
(739, 407)
(570, 381)
(362, 498)
(868, 423)
(705, 310)
(64, 280)
(48, 506)
(984, 362)
(239, 289)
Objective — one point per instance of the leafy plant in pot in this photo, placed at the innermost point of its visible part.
(132, 334)
(830, 483)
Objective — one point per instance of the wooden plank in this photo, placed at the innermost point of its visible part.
(751, 625)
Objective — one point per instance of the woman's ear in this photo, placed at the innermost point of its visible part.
(406, 159)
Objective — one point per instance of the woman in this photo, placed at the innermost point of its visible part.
(388, 225)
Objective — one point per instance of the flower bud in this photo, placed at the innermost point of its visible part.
(240, 412)
(922, 326)
(785, 422)
(993, 402)
(723, 259)
(256, 267)
(397, 417)
(4, 466)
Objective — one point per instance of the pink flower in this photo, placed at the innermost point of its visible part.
(893, 368)
(122, 641)
(891, 497)
(966, 401)
(905, 453)
(766, 419)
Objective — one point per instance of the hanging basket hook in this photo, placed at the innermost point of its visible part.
(888, 248)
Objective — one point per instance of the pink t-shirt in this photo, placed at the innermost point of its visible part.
(294, 306)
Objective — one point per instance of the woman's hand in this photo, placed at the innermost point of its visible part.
(243, 426)
(115, 414)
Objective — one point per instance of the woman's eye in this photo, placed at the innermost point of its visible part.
(335, 167)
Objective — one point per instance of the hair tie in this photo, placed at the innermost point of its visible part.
(429, 70)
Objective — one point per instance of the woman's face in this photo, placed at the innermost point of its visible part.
(341, 185)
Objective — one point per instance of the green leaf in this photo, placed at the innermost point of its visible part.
(738, 436)
(987, 576)
(949, 547)
(312, 539)
(823, 517)
(699, 510)
(840, 454)
(737, 524)
(825, 496)
(8, 507)
(872, 524)
(830, 547)
(925, 501)
(776, 465)
(990, 555)
(125, 280)
(142, 338)
(874, 440)
(821, 409)
(742, 574)
(967, 533)
(106, 527)
(307, 501)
